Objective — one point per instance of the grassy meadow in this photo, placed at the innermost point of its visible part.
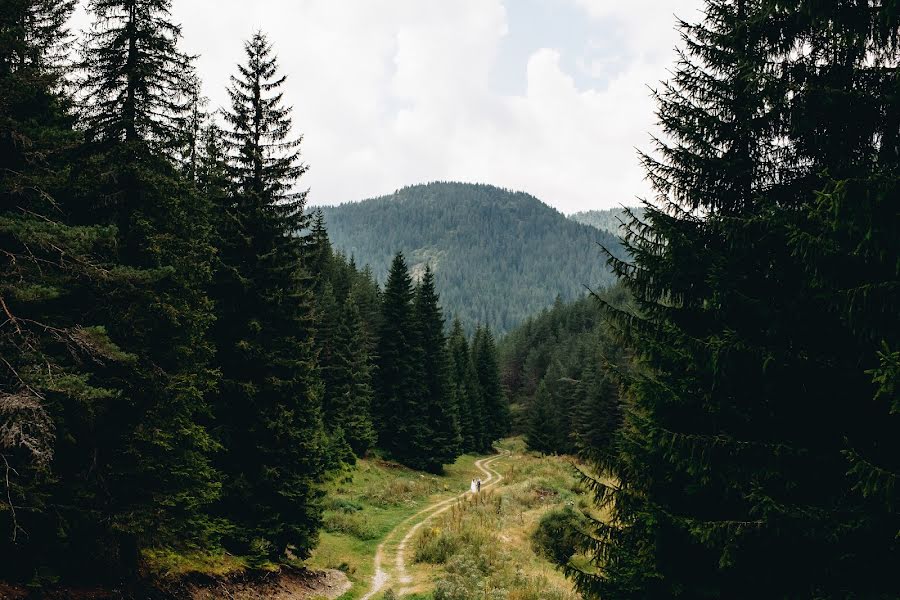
(477, 548)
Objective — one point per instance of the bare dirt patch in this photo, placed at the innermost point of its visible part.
(286, 584)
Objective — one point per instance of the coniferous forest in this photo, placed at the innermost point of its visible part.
(192, 374)
(183, 357)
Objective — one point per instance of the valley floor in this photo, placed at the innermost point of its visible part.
(400, 533)
(392, 532)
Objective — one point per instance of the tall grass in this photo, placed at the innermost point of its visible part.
(482, 543)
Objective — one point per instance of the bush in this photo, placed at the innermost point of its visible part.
(556, 534)
(435, 546)
(349, 524)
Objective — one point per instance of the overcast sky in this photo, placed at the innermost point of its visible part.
(546, 96)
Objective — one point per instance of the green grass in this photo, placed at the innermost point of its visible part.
(363, 505)
(482, 548)
(474, 547)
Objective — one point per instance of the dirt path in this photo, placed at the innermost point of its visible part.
(412, 524)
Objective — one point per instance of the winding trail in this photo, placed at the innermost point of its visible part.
(412, 524)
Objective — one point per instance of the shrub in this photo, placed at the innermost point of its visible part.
(556, 534)
(435, 546)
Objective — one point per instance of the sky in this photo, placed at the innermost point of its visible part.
(550, 97)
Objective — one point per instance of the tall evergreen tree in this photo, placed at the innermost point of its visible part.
(495, 415)
(735, 468)
(398, 391)
(465, 389)
(269, 403)
(350, 397)
(153, 452)
(541, 435)
(443, 443)
(48, 350)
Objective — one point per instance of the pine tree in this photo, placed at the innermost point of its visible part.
(465, 389)
(564, 395)
(320, 255)
(734, 466)
(155, 453)
(442, 445)
(350, 398)
(541, 436)
(598, 415)
(269, 402)
(49, 350)
(495, 415)
(399, 389)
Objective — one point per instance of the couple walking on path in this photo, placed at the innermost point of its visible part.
(476, 486)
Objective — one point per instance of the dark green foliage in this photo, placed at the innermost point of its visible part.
(759, 454)
(399, 386)
(498, 256)
(268, 407)
(558, 534)
(464, 387)
(348, 389)
(439, 404)
(494, 405)
(570, 352)
(429, 403)
(541, 434)
(154, 452)
(48, 353)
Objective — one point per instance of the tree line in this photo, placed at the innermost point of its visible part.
(757, 446)
(558, 369)
(183, 357)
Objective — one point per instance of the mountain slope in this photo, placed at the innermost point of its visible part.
(499, 256)
(606, 220)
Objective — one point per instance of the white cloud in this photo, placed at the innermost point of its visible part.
(394, 92)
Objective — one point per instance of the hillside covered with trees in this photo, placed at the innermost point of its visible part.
(498, 256)
(612, 220)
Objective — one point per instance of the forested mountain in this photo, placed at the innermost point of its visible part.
(498, 256)
(610, 220)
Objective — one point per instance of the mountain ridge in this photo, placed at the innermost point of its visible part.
(499, 255)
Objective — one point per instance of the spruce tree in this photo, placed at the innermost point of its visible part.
(465, 389)
(320, 255)
(541, 435)
(154, 453)
(268, 407)
(49, 349)
(734, 469)
(350, 397)
(442, 445)
(495, 410)
(399, 387)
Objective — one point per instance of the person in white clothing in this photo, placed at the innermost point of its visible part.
(474, 487)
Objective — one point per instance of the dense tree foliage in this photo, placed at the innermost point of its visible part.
(759, 454)
(613, 220)
(153, 448)
(49, 352)
(498, 256)
(559, 369)
(183, 356)
(268, 405)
